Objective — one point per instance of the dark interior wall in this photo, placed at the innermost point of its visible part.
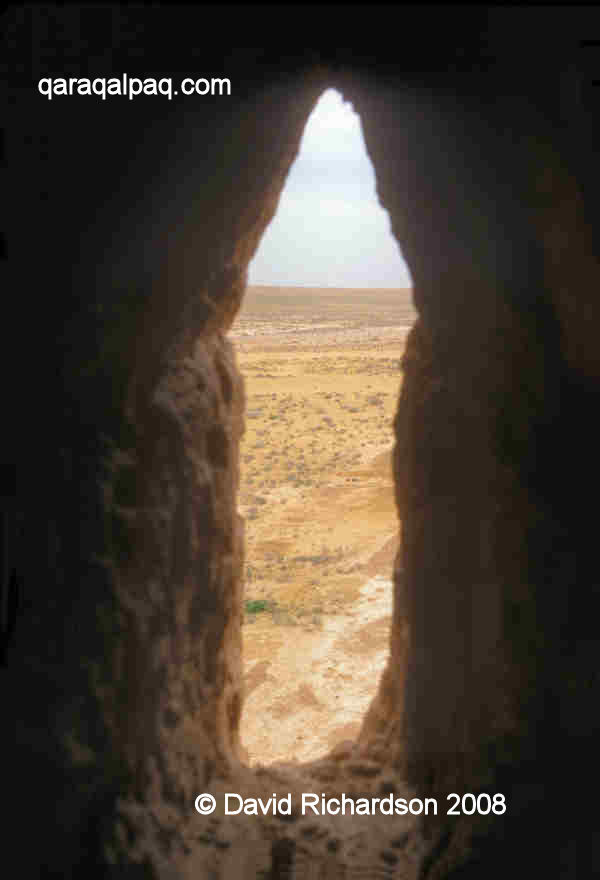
(495, 214)
(496, 540)
(130, 228)
(128, 629)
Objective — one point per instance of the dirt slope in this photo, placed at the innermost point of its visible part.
(321, 525)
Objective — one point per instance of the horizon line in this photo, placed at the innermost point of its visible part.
(330, 286)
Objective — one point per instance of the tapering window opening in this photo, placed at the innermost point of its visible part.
(319, 340)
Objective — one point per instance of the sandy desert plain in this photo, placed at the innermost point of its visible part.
(322, 374)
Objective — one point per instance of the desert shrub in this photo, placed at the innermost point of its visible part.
(257, 606)
(280, 613)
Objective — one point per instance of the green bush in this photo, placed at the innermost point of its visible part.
(256, 606)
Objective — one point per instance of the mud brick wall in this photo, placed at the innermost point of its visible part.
(130, 228)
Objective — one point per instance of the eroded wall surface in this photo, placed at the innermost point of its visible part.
(122, 681)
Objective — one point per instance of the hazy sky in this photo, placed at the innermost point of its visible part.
(329, 229)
